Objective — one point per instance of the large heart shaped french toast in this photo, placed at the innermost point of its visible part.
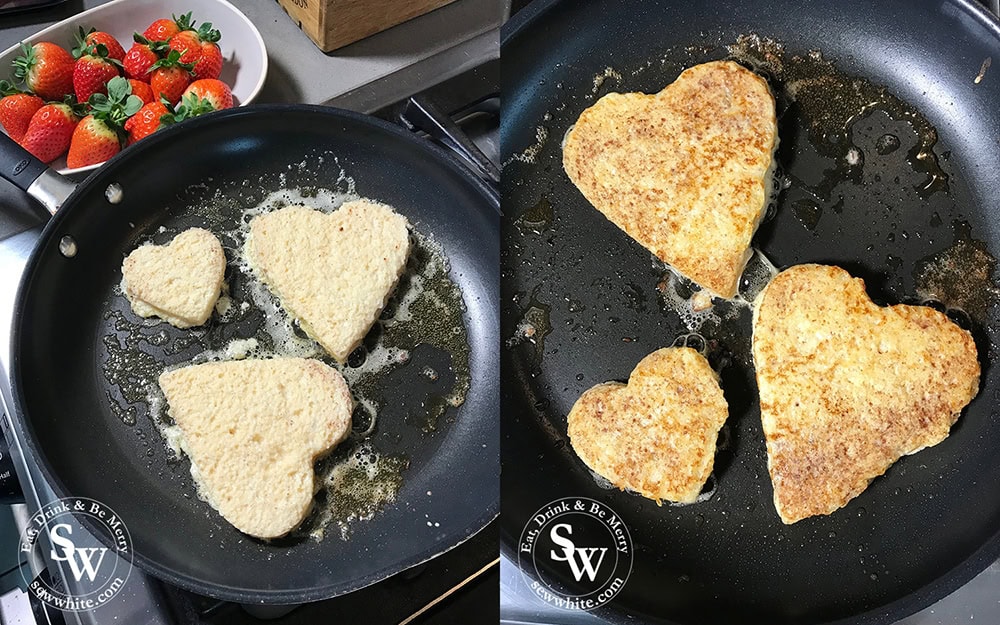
(179, 282)
(333, 272)
(656, 435)
(685, 172)
(253, 430)
(848, 387)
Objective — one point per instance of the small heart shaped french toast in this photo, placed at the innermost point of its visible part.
(333, 272)
(848, 387)
(179, 282)
(253, 430)
(655, 435)
(686, 172)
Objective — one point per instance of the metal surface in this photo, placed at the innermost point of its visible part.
(421, 114)
(916, 534)
(176, 536)
(51, 190)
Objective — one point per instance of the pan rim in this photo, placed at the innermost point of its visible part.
(885, 614)
(33, 265)
(526, 16)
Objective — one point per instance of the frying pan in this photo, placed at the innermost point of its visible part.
(67, 310)
(933, 521)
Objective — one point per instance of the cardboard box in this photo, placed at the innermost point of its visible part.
(332, 24)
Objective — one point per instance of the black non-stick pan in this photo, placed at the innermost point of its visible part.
(93, 442)
(889, 122)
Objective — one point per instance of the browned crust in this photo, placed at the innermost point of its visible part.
(685, 172)
(656, 436)
(848, 387)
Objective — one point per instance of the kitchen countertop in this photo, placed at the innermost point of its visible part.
(363, 76)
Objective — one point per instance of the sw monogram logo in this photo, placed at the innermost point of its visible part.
(88, 576)
(580, 559)
(581, 535)
(81, 560)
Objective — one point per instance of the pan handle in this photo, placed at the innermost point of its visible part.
(32, 176)
(422, 114)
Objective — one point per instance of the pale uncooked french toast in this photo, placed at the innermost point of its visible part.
(179, 282)
(333, 272)
(253, 429)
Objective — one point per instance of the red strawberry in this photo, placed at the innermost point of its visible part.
(16, 109)
(188, 44)
(141, 56)
(170, 82)
(211, 90)
(210, 63)
(142, 90)
(92, 72)
(93, 141)
(49, 131)
(46, 69)
(86, 40)
(99, 136)
(163, 29)
(199, 47)
(148, 120)
(170, 77)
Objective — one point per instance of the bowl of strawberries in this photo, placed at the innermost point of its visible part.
(80, 91)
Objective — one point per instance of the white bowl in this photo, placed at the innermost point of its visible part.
(244, 64)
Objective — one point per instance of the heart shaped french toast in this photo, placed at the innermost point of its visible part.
(685, 172)
(179, 282)
(848, 387)
(334, 271)
(253, 430)
(656, 435)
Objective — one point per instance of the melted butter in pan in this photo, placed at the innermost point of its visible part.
(427, 309)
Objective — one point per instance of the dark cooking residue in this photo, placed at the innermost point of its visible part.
(960, 276)
(128, 366)
(808, 212)
(534, 326)
(355, 482)
(537, 218)
(437, 302)
(832, 102)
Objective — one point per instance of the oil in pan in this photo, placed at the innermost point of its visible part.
(864, 181)
(421, 328)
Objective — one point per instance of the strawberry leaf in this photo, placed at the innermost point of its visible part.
(132, 105)
(24, 63)
(192, 106)
(118, 89)
(81, 43)
(184, 22)
(173, 59)
(207, 33)
(9, 88)
(99, 102)
(115, 108)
